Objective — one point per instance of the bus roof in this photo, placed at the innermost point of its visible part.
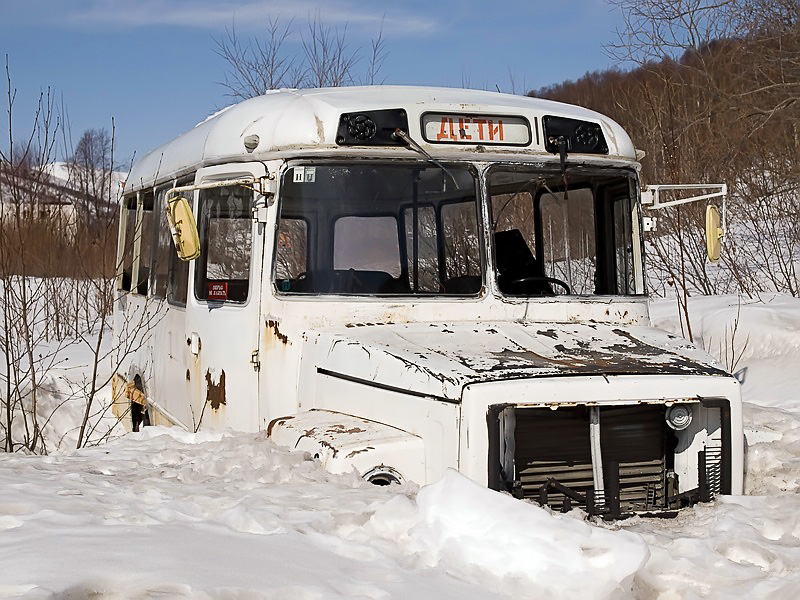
(294, 122)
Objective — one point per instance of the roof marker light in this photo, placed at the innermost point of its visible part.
(371, 127)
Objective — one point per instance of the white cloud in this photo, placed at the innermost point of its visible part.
(216, 14)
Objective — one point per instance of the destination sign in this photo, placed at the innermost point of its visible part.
(455, 128)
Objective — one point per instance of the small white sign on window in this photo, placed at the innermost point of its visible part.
(305, 174)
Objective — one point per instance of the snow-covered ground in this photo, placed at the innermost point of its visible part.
(168, 514)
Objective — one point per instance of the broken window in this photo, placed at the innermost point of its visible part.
(426, 249)
(623, 243)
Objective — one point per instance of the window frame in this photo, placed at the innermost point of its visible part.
(201, 262)
(604, 227)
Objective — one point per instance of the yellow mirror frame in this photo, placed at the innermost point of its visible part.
(713, 233)
(183, 228)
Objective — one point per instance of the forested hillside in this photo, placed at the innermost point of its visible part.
(714, 99)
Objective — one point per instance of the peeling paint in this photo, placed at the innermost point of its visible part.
(328, 445)
(360, 451)
(215, 392)
(277, 423)
(273, 325)
(338, 428)
(438, 360)
(342, 441)
(320, 129)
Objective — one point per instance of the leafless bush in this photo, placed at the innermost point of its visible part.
(57, 282)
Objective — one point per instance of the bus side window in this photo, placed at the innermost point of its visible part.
(128, 215)
(163, 247)
(146, 245)
(222, 271)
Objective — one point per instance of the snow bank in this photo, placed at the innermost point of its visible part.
(166, 513)
(745, 546)
(527, 551)
(757, 338)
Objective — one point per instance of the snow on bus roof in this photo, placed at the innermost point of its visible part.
(292, 121)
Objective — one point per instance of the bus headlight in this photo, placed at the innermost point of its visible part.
(679, 416)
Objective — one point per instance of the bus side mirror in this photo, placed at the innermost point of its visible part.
(713, 233)
(183, 228)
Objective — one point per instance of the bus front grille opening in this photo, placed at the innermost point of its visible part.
(551, 457)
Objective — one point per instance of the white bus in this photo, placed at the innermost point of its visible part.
(401, 280)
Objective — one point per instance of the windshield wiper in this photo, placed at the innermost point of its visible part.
(401, 135)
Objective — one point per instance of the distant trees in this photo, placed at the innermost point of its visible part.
(325, 59)
(714, 98)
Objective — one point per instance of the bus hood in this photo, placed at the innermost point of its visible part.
(438, 360)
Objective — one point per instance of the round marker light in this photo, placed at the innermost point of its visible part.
(679, 417)
(251, 142)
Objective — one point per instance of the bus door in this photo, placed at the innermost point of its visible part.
(223, 305)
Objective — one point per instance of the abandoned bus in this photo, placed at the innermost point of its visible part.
(401, 280)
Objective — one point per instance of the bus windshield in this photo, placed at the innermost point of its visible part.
(378, 229)
(557, 234)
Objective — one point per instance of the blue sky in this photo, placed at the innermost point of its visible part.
(152, 66)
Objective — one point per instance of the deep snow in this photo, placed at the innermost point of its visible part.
(165, 513)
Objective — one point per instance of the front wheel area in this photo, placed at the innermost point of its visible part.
(382, 454)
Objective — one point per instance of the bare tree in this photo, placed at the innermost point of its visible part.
(256, 66)
(377, 56)
(324, 58)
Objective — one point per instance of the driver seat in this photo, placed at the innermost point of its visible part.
(516, 261)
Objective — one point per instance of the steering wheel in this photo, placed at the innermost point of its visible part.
(539, 278)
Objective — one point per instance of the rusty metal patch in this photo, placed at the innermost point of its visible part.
(273, 325)
(279, 421)
(359, 451)
(215, 392)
